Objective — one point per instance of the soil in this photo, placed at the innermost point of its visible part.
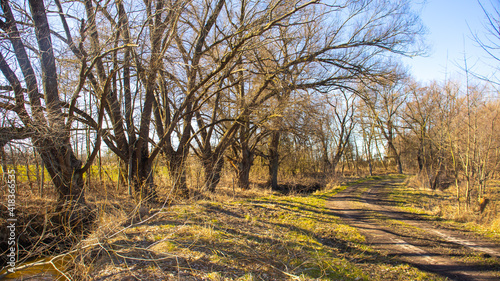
(411, 238)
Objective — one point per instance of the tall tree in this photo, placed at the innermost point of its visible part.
(48, 119)
(343, 114)
(385, 102)
(420, 118)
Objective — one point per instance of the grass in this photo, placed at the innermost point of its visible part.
(239, 235)
(441, 206)
(270, 237)
(230, 235)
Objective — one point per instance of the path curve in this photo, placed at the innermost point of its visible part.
(410, 238)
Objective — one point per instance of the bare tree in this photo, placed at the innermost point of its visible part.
(343, 111)
(367, 126)
(254, 22)
(345, 54)
(421, 119)
(490, 42)
(44, 122)
(386, 102)
(126, 77)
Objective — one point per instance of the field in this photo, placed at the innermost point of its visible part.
(234, 234)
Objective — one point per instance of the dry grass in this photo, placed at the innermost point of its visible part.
(31, 212)
(443, 205)
(232, 234)
(40, 234)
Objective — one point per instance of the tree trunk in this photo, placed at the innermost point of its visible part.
(467, 192)
(274, 159)
(420, 159)
(66, 173)
(213, 169)
(396, 156)
(335, 161)
(381, 158)
(177, 172)
(4, 164)
(244, 167)
(140, 179)
(434, 181)
(327, 165)
(64, 169)
(400, 165)
(122, 172)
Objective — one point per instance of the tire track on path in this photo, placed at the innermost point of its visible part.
(407, 237)
(376, 195)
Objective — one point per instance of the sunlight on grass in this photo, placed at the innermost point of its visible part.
(273, 237)
(440, 206)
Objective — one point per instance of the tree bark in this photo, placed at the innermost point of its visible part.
(400, 165)
(274, 159)
(213, 169)
(335, 161)
(64, 169)
(122, 172)
(140, 179)
(51, 139)
(327, 165)
(177, 173)
(4, 164)
(244, 167)
(396, 156)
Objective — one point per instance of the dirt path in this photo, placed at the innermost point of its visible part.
(410, 238)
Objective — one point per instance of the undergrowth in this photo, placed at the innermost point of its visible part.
(269, 237)
(233, 234)
(441, 206)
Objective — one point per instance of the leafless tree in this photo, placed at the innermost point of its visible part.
(490, 42)
(385, 102)
(45, 118)
(343, 111)
(161, 73)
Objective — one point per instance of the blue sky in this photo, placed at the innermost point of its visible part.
(450, 25)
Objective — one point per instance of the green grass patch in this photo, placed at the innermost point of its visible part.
(265, 238)
(441, 207)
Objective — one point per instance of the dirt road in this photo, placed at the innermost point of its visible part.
(412, 239)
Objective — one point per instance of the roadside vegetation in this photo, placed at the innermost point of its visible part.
(195, 115)
(441, 207)
(258, 234)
